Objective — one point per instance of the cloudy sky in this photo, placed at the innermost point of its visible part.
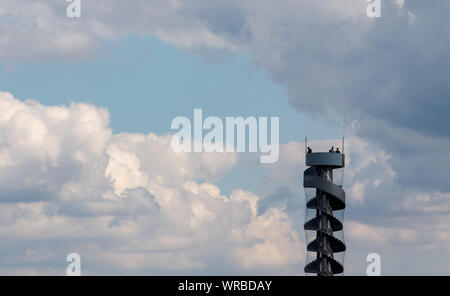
(86, 106)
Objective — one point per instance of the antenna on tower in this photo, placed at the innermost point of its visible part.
(306, 144)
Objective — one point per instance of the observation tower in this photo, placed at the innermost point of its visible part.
(325, 204)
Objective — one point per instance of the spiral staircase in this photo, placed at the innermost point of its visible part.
(324, 199)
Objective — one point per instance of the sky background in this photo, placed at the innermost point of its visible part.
(86, 106)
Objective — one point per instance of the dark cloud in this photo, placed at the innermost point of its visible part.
(390, 74)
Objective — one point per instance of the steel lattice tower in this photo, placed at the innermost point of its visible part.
(323, 226)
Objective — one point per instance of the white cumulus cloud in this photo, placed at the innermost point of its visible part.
(126, 203)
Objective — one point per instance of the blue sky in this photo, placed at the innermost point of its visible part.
(145, 83)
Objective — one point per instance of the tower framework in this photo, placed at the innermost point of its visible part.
(325, 204)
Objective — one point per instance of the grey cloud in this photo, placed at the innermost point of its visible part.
(283, 197)
(389, 74)
(393, 80)
(134, 202)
